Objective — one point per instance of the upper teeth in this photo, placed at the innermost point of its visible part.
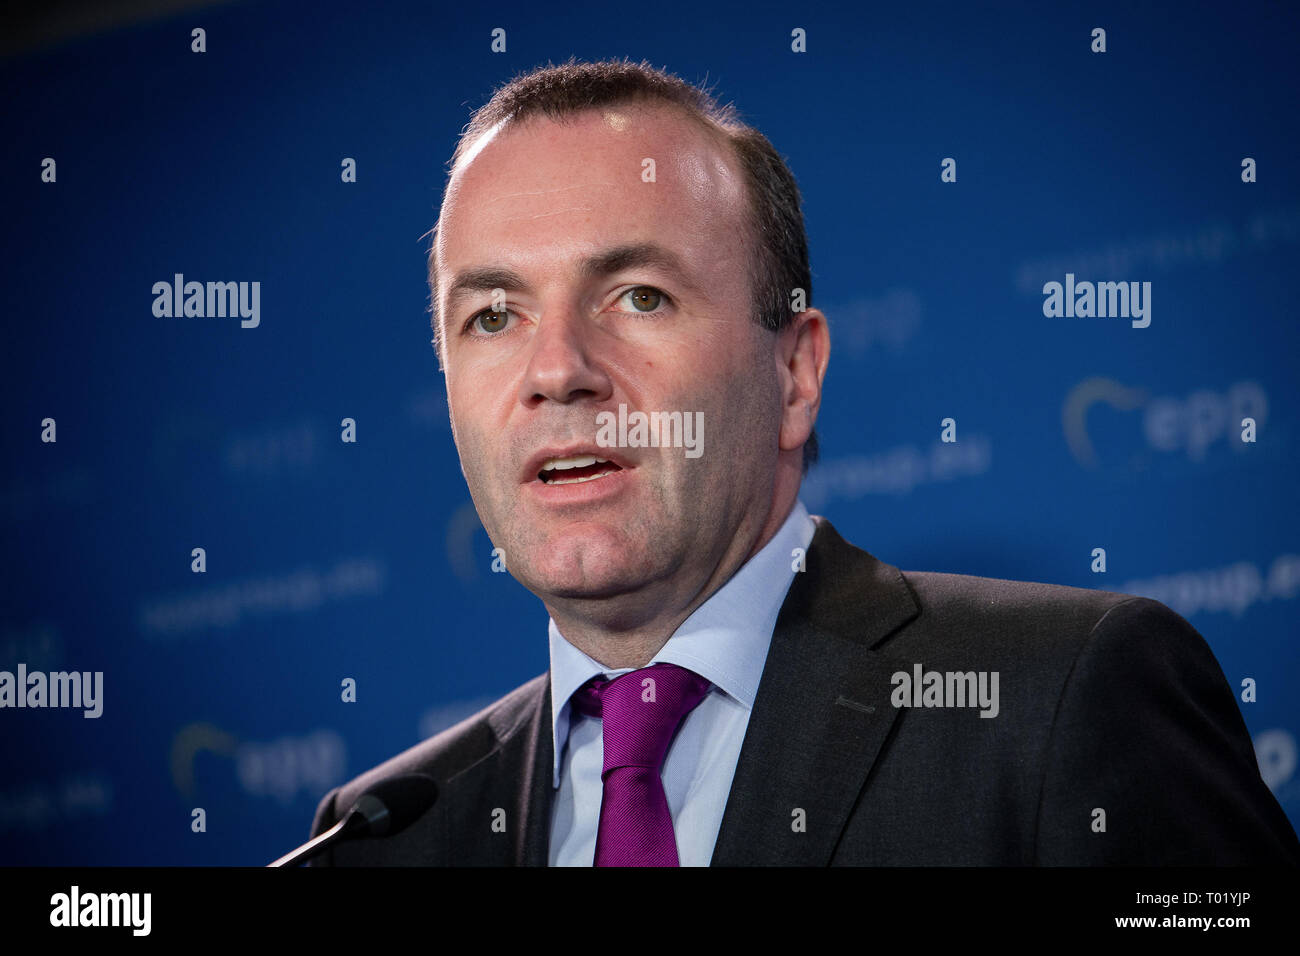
(581, 461)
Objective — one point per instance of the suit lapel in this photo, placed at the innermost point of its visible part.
(539, 745)
(515, 776)
(822, 712)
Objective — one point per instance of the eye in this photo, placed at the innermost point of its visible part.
(645, 299)
(489, 321)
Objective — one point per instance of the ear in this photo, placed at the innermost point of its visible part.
(803, 350)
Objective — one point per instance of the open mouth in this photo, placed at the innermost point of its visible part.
(569, 471)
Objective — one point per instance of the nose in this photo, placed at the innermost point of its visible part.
(562, 365)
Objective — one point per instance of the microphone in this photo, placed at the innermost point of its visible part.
(385, 808)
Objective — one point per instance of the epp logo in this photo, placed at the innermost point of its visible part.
(1169, 425)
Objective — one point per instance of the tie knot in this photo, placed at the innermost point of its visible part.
(641, 710)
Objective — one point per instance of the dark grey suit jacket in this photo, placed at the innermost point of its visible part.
(1106, 701)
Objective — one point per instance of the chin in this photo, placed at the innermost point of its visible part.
(580, 568)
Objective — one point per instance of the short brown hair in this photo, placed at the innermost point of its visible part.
(779, 243)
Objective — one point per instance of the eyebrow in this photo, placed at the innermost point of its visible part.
(607, 262)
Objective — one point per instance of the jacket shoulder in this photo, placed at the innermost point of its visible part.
(945, 611)
(444, 755)
(997, 600)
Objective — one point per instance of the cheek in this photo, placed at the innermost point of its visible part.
(754, 406)
(465, 404)
(468, 437)
(751, 379)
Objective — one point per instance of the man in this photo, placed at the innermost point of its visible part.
(731, 682)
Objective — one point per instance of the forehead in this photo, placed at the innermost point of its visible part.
(545, 189)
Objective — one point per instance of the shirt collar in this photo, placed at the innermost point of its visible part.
(725, 640)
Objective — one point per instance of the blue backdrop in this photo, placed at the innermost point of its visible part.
(329, 560)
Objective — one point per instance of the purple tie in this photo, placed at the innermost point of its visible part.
(641, 711)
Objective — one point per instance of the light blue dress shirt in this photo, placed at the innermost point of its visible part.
(725, 641)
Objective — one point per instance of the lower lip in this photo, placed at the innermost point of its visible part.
(579, 492)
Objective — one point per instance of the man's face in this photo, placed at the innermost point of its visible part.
(578, 336)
